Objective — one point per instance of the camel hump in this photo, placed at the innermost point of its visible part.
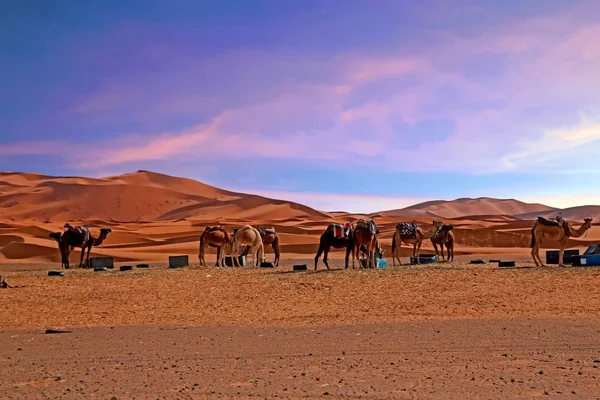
(548, 222)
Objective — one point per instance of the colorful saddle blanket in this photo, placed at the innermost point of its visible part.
(340, 231)
(407, 229)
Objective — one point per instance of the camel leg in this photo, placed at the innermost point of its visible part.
(234, 251)
(276, 250)
(219, 257)
(346, 259)
(561, 252)
(357, 255)
(396, 253)
(371, 255)
(319, 252)
(325, 257)
(201, 255)
(87, 262)
(415, 252)
(442, 251)
(64, 254)
(418, 250)
(536, 251)
(81, 259)
(261, 254)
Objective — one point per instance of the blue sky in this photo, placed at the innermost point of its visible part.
(353, 105)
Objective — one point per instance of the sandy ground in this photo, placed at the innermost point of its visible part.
(443, 331)
(524, 358)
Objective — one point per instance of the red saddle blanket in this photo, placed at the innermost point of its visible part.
(340, 231)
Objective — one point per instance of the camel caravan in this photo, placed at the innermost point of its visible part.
(357, 239)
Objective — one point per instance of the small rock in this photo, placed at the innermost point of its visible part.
(541, 372)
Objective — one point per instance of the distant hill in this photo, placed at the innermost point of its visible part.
(139, 196)
(468, 207)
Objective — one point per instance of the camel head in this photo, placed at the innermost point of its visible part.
(104, 232)
(56, 236)
(588, 222)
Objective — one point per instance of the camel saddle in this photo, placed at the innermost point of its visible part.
(406, 229)
(368, 226)
(558, 221)
(82, 231)
(266, 231)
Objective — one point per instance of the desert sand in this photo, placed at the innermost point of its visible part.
(431, 331)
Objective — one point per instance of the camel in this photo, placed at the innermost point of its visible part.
(214, 236)
(416, 241)
(558, 229)
(329, 240)
(247, 236)
(269, 238)
(444, 237)
(74, 237)
(365, 234)
(3, 283)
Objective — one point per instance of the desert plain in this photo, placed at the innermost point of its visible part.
(443, 330)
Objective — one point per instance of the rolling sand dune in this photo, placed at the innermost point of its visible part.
(154, 215)
(466, 207)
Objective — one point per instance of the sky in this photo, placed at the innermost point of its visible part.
(348, 105)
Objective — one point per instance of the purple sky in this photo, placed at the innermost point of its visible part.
(354, 105)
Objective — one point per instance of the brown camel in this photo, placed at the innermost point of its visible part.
(444, 237)
(77, 237)
(247, 236)
(559, 230)
(269, 238)
(214, 236)
(416, 240)
(365, 234)
(329, 239)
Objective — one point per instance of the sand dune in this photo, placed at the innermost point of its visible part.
(574, 214)
(153, 216)
(467, 207)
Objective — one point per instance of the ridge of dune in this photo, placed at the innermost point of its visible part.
(463, 207)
